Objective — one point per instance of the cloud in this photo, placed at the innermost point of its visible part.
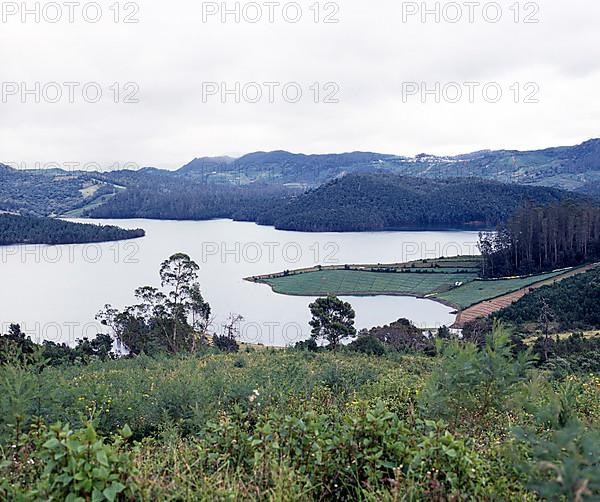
(369, 55)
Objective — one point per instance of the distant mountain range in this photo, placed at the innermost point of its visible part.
(570, 168)
(282, 167)
(574, 168)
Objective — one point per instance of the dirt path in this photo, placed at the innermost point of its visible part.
(488, 307)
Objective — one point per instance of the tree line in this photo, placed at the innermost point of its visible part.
(374, 202)
(178, 199)
(540, 238)
(16, 229)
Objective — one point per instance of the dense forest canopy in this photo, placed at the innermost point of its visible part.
(389, 202)
(539, 238)
(181, 200)
(352, 203)
(15, 229)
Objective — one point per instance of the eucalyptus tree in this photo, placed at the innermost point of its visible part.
(173, 319)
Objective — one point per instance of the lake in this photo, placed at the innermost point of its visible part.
(54, 292)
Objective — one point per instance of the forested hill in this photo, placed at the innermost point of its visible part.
(570, 304)
(188, 200)
(16, 229)
(49, 192)
(390, 202)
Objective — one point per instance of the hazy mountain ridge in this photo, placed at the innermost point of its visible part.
(569, 167)
(55, 191)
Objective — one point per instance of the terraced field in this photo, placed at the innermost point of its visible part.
(357, 282)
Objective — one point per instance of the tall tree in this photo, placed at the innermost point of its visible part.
(179, 273)
(332, 320)
(544, 238)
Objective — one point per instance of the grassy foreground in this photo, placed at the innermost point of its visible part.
(469, 424)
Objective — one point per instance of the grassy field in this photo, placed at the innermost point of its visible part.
(479, 290)
(349, 282)
(419, 278)
(435, 279)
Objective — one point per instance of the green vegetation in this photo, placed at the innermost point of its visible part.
(174, 320)
(16, 229)
(481, 290)
(537, 239)
(81, 212)
(182, 198)
(373, 202)
(396, 415)
(15, 346)
(453, 281)
(332, 320)
(356, 202)
(417, 278)
(48, 192)
(573, 305)
(355, 282)
(256, 187)
(565, 167)
(471, 423)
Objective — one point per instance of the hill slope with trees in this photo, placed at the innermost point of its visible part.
(56, 191)
(571, 304)
(357, 202)
(391, 202)
(15, 229)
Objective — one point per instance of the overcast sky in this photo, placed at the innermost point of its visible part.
(370, 69)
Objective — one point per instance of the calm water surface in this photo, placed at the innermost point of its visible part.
(54, 292)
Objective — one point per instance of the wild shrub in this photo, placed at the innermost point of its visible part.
(566, 464)
(72, 465)
(367, 344)
(225, 343)
(470, 382)
(366, 448)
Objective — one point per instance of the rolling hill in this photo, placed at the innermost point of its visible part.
(361, 202)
